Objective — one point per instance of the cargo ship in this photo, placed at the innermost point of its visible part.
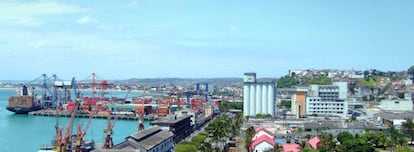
(24, 102)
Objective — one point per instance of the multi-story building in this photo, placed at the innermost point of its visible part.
(298, 101)
(153, 139)
(327, 100)
(179, 125)
(258, 97)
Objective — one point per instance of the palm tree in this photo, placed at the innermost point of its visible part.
(407, 128)
(303, 144)
(249, 136)
(205, 147)
(327, 143)
(396, 138)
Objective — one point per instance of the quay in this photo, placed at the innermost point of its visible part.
(54, 113)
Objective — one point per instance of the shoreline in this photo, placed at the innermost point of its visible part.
(14, 88)
(97, 90)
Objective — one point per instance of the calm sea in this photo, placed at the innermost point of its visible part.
(24, 133)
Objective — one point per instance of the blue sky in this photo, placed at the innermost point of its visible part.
(201, 39)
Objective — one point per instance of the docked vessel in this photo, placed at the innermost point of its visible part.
(23, 103)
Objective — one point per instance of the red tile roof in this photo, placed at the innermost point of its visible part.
(314, 142)
(291, 148)
(265, 130)
(260, 139)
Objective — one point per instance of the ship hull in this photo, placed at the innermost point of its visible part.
(23, 110)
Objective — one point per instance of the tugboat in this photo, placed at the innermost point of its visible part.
(24, 102)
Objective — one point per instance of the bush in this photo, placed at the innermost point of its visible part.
(185, 147)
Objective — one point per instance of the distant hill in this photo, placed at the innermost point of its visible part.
(180, 80)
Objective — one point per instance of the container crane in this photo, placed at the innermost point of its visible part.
(91, 81)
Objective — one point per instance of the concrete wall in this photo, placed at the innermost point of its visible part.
(397, 105)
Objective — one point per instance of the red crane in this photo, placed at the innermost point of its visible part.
(108, 131)
(140, 110)
(81, 133)
(59, 141)
(91, 81)
(67, 139)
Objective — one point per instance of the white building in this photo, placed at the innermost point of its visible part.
(396, 105)
(262, 141)
(327, 100)
(258, 97)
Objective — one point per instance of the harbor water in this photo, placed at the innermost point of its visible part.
(25, 133)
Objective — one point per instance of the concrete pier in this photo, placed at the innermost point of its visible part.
(54, 113)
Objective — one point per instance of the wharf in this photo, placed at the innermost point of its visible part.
(54, 113)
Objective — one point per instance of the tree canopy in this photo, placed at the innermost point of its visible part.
(411, 70)
(249, 136)
(287, 81)
(407, 128)
(185, 147)
(321, 80)
(344, 136)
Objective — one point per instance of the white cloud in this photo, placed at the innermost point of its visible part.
(37, 44)
(133, 4)
(25, 21)
(30, 13)
(85, 20)
(48, 8)
(233, 28)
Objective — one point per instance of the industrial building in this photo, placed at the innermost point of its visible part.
(258, 97)
(327, 99)
(396, 105)
(150, 140)
(179, 125)
(298, 101)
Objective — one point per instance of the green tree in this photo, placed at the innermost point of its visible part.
(407, 129)
(287, 81)
(268, 116)
(403, 149)
(205, 147)
(321, 80)
(199, 139)
(185, 147)
(286, 103)
(327, 143)
(396, 139)
(411, 70)
(358, 145)
(307, 149)
(249, 136)
(378, 138)
(344, 136)
(219, 130)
